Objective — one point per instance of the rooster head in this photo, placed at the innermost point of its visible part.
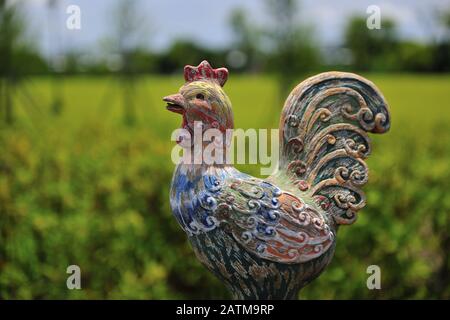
(201, 99)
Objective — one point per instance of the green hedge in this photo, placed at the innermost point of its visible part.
(83, 188)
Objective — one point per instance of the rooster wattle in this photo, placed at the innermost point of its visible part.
(267, 238)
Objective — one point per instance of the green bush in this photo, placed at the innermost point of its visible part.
(85, 189)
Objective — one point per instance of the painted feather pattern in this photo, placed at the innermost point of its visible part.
(268, 222)
(267, 238)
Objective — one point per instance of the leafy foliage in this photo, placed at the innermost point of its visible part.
(84, 189)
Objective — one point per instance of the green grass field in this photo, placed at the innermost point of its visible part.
(84, 188)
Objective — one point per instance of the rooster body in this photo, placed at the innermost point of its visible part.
(267, 238)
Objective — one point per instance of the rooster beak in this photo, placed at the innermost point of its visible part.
(175, 103)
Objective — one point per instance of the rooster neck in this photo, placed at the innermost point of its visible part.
(196, 170)
(219, 139)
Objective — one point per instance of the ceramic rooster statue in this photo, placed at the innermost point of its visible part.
(267, 238)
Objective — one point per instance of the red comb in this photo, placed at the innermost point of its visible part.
(204, 71)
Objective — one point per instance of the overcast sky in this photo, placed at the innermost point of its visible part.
(207, 21)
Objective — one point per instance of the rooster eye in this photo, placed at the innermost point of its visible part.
(200, 96)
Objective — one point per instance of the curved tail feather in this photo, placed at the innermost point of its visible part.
(324, 140)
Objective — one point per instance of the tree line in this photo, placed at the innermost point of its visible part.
(283, 46)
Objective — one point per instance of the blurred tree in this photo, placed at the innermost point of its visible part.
(442, 47)
(293, 51)
(11, 30)
(183, 52)
(72, 62)
(371, 48)
(128, 27)
(53, 22)
(245, 52)
(412, 56)
(17, 57)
